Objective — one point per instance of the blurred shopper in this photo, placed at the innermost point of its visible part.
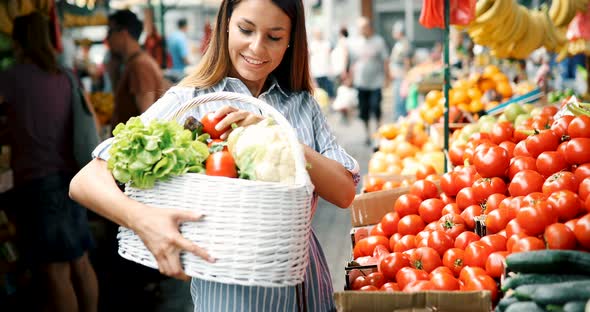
(153, 45)
(339, 57)
(319, 55)
(178, 47)
(53, 232)
(346, 99)
(370, 71)
(140, 83)
(401, 55)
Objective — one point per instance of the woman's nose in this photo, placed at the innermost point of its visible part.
(257, 43)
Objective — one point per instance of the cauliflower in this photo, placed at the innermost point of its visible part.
(262, 152)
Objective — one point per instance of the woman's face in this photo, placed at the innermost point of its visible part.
(256, 41)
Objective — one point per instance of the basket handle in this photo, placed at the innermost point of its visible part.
(301, 175)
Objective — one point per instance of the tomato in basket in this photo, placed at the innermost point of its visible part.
(209, 122)
(221, 163)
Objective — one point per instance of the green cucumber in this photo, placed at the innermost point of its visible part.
(505, 302)
(549, 261)
(526, 292)
(561, 293)
(533, 278)
(522, 306)
(572, 306)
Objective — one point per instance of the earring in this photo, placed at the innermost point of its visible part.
(288, 45)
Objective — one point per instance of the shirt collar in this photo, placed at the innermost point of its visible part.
(274, 84)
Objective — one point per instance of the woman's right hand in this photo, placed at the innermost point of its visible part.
(159, 230)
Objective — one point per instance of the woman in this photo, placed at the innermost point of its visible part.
(53, 230)
(264, 56)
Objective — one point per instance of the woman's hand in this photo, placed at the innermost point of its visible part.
(233, 115)
(158, 229)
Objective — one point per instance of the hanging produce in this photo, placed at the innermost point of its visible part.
(562, 12)
(462, 12)
(578, 34)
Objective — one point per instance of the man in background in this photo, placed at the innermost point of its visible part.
(401, 55)
(178, 47)
(370, 72)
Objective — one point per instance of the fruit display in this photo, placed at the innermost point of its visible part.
(511, 30)
(518, 185)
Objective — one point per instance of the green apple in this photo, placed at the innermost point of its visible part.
(528, 107)
(502, 118)
(512, 111)
(536, 111)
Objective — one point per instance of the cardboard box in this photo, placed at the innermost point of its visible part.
(440, 301)
(369, 208)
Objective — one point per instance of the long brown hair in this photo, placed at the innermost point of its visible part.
(31, 32)
(293, 71)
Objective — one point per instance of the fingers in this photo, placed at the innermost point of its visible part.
(189, 246)
(170, 265)
(180, 216)
(233, 117)
(224, 110)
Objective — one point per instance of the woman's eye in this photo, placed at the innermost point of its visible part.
(245, 31)
(274, 38)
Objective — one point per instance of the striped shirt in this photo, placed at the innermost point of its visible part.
(305, 116)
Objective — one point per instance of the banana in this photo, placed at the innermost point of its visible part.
(517, 29)
(492, 12)
(482, 6)
(554, 10)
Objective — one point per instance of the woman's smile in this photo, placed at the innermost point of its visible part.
(253, 60)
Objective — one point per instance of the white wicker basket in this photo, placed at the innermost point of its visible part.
(258, 232)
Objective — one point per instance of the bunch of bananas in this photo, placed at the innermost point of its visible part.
(11, 9)
(563, 11)
(574, 47)
(510, 30)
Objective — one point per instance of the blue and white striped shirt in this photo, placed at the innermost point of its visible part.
(305, 116)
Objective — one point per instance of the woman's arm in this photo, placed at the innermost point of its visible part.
(331, 180)
(94, 187)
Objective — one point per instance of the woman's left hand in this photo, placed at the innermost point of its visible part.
(233, 115)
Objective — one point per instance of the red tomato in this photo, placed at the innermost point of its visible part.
(582, 231)
(431, 209)
(528, 244)
(559, 236)
(577, 151)
(497, 220)
(497, 242)
(376, 279)
(444, 281)
(509, 147)
(525, 182)
(560, 125)
(582, 172)
(392, 263)
(405, 243)
(419, 286)
(468, 273)
(562, 150)
(466, 198)
(366, 246)
(545, 140)
(425, 258)
(360, 282)
(389, 223)
(410, 224)
(484, 187)
(390, 286)
(456, 154)
(448, 183)
(374, 184)
(422, 238)
(483, 282)
(454, 260)
(571, 224)
(393, 240)
(492, 162)
(520, 150)
(469, 214)
(424, 189)
(450, 208)
(520, 163)
(501, 132)
(440, 270)
(369, 288)
(378, 230)
(465, 238)
(560, 181)
(513, 239)
(534, 218)
(579, 127)
(209, 122)
(440, 241)
(407, 204)
(565, 204)
(407, 275)
(495, 263)
(584, 189)
(550, 162)
(221, 164)
(549, 111)
(452, 225)
(494, 200)
(513, 227)
(476, 254)
(424, 170)
(446, 198)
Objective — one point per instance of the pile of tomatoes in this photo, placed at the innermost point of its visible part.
(531, 185)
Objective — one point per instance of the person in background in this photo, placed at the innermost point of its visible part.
(141, 82)
(370, 72)
(53, 231)
(265, 56)
(401, 61)
(319, 64)
(339, 57)
(178, 47)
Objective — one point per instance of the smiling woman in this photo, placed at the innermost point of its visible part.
(265, 56)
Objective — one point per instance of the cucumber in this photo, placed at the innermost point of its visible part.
(523, 306)
(533, 278)
(561, 293)
(574, 306)
(549, 261)
(526, 292)
(505, 302)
